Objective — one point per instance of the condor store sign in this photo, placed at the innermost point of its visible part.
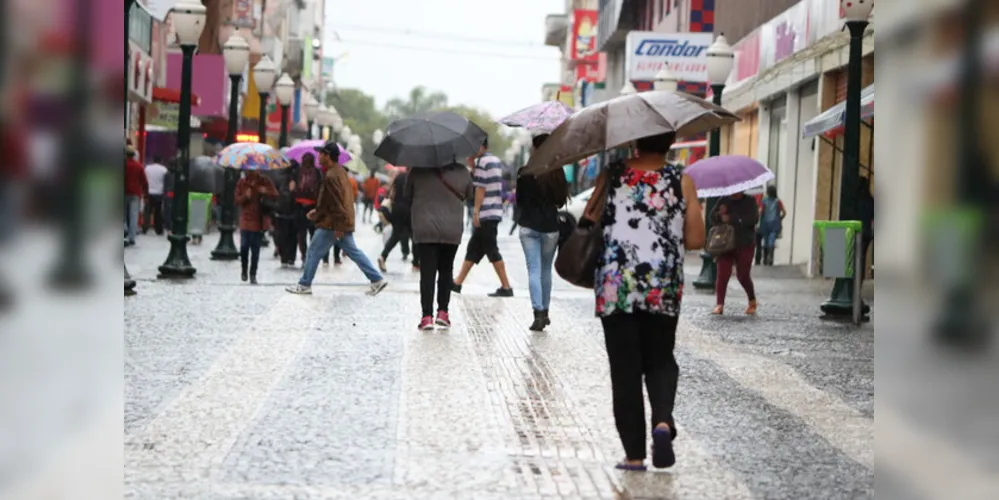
(686, 53)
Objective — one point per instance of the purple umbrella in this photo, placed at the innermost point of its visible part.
(297, 151)
(540, 118)
(726, 175)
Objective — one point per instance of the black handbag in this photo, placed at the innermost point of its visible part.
(579, 256)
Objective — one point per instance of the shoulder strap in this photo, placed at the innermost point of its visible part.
(595, 206)
(440, 175)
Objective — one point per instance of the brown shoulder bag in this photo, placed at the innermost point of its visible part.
(578, 257)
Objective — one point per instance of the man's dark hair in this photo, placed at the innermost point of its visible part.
(131, 153)
(772, 191)
(656, 144)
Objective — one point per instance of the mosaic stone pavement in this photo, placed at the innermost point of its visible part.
(235, 391)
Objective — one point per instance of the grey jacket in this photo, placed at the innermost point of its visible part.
(437, 212)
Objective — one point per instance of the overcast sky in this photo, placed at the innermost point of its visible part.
(392, 46)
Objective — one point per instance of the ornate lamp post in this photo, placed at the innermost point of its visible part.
(721, 59)
(666, 80)
(336, 123)
(376, 138)
(236, 53)
(264, 74)
(345, 132)
(188, 22)
(840, 303)
(285, 90)
(311, 111)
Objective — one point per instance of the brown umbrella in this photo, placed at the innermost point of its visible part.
(614, 123)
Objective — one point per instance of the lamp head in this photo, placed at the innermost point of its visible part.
(188, 19)
(236, 53)
(721, 59)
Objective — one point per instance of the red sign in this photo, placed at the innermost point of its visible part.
(588, 71)
(584, 36)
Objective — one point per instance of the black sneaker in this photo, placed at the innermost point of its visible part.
(244, 276)
(456, 288)
(502, 292)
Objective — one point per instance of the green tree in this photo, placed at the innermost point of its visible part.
(358, 111)
(419, 100)
(498, 141)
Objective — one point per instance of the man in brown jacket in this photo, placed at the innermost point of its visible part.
(334, 216)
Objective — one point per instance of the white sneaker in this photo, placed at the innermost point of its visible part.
(377, 287)
(299, 289)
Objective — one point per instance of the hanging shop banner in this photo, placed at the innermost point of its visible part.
(328, 67)
(584, 36)
(243, 14)
(163, 114)
(686, 53)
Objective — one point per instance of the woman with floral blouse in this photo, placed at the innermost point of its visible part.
(651, 218)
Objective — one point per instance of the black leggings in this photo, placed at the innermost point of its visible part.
(286, 238)
(641, 344)
(436, 268)
(401, 232)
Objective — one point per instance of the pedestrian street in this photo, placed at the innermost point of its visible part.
(238, 391)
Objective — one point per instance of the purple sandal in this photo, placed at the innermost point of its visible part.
(629, 467)
(662, 448)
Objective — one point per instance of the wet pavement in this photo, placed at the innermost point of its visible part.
(235, 391)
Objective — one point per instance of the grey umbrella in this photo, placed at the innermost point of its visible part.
(206, 175)
(434, 139)
(614, 123)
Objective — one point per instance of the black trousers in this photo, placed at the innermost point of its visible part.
(436, 268)
(153, 214)
(402, 230)
(638, 345)
(303, 228)
(286, 238)
(249, 250)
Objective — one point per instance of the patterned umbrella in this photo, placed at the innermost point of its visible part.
(540, 118)
(252, 156)
(297, 151)
(727, 175)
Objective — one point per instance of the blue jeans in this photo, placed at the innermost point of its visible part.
(539, 249)
(770, 238)
(132, 216)
(322, 241)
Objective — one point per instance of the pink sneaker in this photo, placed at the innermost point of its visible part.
(443, 319)
(427, 323)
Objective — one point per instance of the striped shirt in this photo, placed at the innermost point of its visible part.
(488, 175)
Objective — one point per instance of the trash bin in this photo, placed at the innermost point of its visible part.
(835, 247)
(199, 213)
(952, 237)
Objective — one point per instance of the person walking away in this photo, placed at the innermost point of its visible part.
(136, 186)
(772, 215)
(516, 210)
(758, 254)
(865, 209)
(537, 212)
(334, 217)
(741, 212)
(285, 225)
(400, 220)
(438, 208)
(308, 182)
(155, 176)
(370, 188)
(251, 191)
(651, 218)
(487, 175)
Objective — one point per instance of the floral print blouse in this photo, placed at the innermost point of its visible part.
(641, 269)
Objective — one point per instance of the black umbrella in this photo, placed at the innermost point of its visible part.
(431, 140)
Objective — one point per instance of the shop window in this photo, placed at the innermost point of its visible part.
(778, 135)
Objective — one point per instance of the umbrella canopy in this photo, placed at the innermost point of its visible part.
(206, 175)
(614, 123)
(727, 175)
(252, 156)
(540, 118)
(834, 118)
(299, 150)
(433, 140)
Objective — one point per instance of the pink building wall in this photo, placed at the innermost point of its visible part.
(208, 81)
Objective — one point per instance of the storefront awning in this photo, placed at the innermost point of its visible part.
(831, 121)
(172, 96)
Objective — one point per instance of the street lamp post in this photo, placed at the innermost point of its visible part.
(264, 74)
(721, 59)
(236, 53)
(188, 22)
(376, 138)
(840, 303)
(666, 80)
(285, 90)
(311, 110)
(336, 124)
